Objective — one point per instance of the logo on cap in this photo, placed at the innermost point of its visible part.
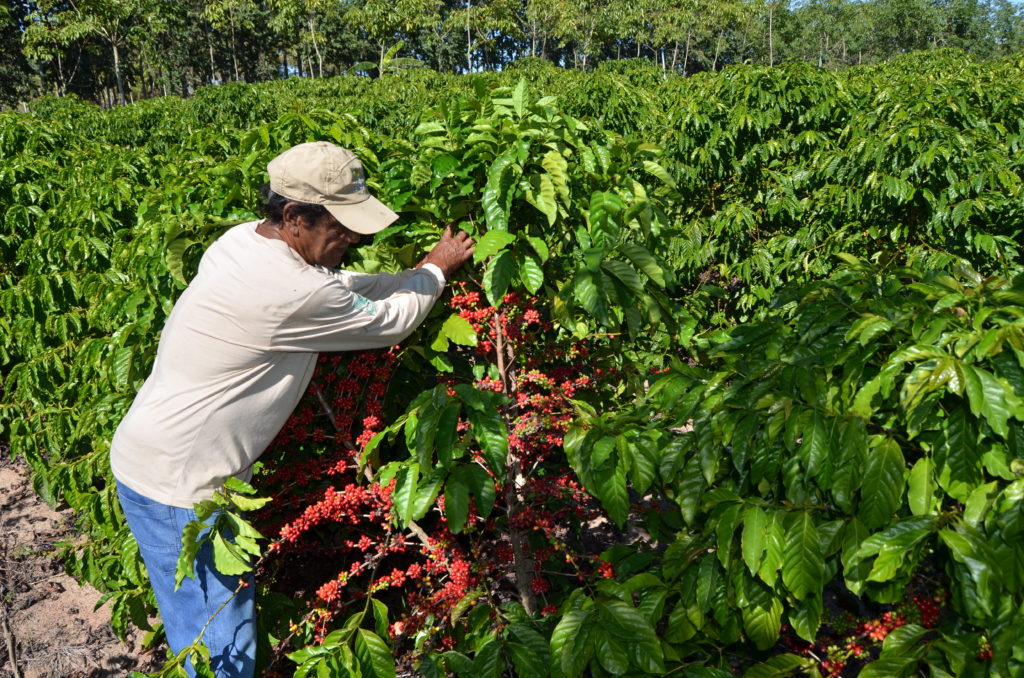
(359, 179)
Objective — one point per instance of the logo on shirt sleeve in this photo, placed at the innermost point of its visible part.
(365, 305)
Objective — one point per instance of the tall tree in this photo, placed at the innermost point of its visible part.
(1007, 27)
(585, 26)
(387, 22)
(900, 26)
(15, 72)
(538, 21)
(824, 32)
(59, 23)
(483, 23)
(686, 28)
(230, 15)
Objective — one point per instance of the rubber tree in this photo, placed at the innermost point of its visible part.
(59, 24)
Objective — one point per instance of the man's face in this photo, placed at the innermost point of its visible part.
(324, 242)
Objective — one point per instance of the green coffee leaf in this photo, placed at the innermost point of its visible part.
(779, 666)
(803, 566)
(491, 243)
(754, 536)
(227, 558)
(497, 277)
(609, 652)
(762, 614)
(456, 503)
(459, 330)
(921, 487)
(529, 651)
(375, 658)
(882, 487)
(531, 273)
(571, 644)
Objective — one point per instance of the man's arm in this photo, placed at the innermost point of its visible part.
(335, 318)
(446, 257)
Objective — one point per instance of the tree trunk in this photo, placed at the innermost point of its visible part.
(234, 51)
(469, 42)
(146, 88)
(718, 49)
(771, 43)
(213, 65)
(117, 72)
(380, 67)
(686, 52)
(59, 86)
(675, 56)
(316, 48)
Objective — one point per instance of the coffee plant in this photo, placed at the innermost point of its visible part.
(734, 384)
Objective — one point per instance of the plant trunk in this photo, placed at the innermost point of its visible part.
(675, 56)
(718, 48)
(523, 563)
(469, 41)
(771, 43)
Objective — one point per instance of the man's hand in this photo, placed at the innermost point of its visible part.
(451, 253)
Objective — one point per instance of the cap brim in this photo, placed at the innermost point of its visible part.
(366, 217)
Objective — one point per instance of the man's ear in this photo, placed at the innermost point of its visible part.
(290, 220)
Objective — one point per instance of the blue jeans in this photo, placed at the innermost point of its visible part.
(231, 635)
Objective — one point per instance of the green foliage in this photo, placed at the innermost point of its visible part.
(350, 650)
(868, 454)
(232, 537)
(828, 265)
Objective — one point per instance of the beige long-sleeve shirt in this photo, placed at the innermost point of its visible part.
(237, 353)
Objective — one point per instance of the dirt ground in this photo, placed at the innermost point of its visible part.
(48, 627)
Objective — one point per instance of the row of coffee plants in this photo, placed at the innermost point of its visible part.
(733, 385)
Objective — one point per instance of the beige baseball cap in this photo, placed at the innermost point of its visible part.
(321, 173)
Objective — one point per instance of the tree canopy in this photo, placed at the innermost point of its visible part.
(110, 51)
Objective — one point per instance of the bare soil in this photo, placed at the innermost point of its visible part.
(48, 627)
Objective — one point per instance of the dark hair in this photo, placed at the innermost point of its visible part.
(273, 207)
